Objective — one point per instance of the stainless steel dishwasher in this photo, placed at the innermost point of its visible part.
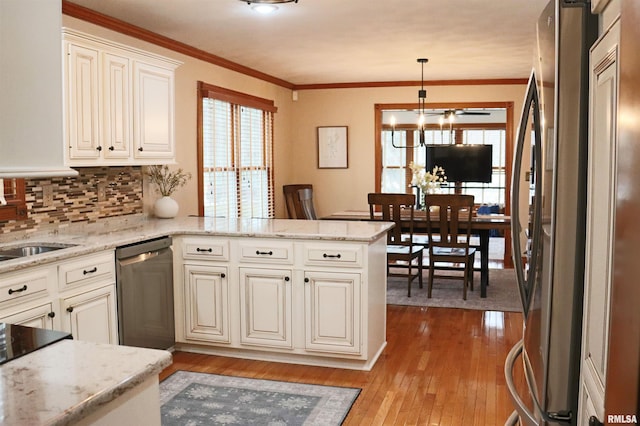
(144, 285)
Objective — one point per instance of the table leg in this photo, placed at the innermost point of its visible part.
(484, 261)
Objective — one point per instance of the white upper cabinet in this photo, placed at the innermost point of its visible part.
(119, 102)
(153, 112)
(31, 101)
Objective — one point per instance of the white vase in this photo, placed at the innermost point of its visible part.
(166, 207)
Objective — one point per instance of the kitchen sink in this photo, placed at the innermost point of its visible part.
(7, 253)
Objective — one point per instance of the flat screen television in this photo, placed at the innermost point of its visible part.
(462, 163)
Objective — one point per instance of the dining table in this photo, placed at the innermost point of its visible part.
(481, 225)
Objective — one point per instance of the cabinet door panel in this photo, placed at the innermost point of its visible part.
(39, 317)
(91, 316)
(206, 303)
(332, 310)
(153, 113)
(265, 307)
(601, 187)
(117, 110)
(83, 103)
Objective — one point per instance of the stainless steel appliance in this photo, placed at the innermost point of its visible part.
(144, 285)
(550, 279)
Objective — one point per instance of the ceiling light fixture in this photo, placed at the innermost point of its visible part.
(422, 99)
(265, 8)
(249, 2)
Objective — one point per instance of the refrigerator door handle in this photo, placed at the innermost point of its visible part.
(531, 102)
(526, 417)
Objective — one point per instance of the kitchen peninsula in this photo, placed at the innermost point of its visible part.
(309, 292)
(73, 382)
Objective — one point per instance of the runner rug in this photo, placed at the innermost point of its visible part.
(189, 398)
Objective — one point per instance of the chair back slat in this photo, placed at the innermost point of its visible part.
(397, 208)
(449, 217)
(305, 196)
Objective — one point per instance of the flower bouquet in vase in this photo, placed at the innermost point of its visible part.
(166, 183)
(429, 182)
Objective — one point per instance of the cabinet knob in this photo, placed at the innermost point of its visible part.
(223, 275)
(140, 149)
(70, 309)
(287, 279)
(98, 148)
(51, 314)
(306, 280)
(111, 148)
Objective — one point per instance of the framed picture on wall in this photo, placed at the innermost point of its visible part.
(332, 147)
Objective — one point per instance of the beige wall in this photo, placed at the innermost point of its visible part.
(343, 189)
(295, 125)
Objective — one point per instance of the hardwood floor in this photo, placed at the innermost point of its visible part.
(441, 367)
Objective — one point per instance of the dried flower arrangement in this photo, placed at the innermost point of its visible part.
(167, 181)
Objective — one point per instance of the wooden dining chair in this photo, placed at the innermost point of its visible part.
(401, 252)
(449, 230)
(292, 200)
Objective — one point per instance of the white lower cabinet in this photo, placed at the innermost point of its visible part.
(75, 295)
(332, 312)
(91, 316)
(40, 316)
(265, 307)
(292, 300)
(206, 304)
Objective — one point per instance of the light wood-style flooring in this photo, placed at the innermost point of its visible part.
(441, 367)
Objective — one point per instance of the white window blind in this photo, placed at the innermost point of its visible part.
(237, 156)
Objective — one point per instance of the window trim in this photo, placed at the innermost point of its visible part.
(206, 90)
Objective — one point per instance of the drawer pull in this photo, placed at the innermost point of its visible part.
(20, 290)
(261, 253)
(90, 271)
(208, 250)
(333, 256)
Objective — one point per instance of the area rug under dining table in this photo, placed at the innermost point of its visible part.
(190, 398)
(502, 293)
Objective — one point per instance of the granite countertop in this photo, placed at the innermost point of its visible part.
(64, 382)
(108, 234)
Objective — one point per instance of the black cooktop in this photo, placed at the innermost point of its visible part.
(18, 340)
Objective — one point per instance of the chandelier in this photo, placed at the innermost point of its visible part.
(422, 127)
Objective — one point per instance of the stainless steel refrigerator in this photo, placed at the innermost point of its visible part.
(548, 247)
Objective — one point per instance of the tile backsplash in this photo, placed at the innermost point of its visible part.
(97, 193)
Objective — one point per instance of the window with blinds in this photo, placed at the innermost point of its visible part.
(236, 154)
